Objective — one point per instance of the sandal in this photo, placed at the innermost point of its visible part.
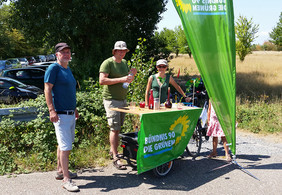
(228, 158)
(212, 156)
(117, 165)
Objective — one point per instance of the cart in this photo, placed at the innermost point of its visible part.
(163, 137)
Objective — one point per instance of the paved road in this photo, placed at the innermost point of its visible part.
(260, 156)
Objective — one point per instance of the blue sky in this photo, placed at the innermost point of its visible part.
(264, 12)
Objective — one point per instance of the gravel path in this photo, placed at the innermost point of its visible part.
(261, 156)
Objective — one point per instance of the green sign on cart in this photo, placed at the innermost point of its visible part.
(163, 136)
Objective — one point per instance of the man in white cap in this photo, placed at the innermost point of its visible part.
(113, 73)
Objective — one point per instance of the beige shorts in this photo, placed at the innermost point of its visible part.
(115, 118)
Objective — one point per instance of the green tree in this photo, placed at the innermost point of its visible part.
(276, 34)
(182, 41)
(90, 27)
(245, 31)
(12, 41)
(169, 36)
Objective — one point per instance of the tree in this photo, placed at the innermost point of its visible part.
(182, 40)
(245, 31)
(12, 41)
(276, 34)
(90, 27)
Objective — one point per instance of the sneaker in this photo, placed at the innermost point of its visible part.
(70, 186)
(60, 176)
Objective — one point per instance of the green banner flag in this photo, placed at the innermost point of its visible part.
(163, 136)
(209, 29)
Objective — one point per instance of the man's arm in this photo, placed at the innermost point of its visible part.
(49, 101)
(105, 80)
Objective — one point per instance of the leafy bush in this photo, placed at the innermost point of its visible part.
(260, 116)
(33, 144)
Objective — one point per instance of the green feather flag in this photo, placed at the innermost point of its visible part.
(209, 29)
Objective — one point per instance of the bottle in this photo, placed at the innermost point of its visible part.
(126, 84)
(168, 104)
(151, 100)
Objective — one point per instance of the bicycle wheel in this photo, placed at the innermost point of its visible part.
(194, 145)
(163, 169)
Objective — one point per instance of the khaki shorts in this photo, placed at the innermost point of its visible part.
(115, 118)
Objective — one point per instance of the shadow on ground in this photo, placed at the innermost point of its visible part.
(186, 175)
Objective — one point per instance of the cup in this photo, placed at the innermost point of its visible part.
(180, 105)
(132, 105)
(156, 103)
(142, 104)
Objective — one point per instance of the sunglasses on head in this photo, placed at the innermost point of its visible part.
(161, 66)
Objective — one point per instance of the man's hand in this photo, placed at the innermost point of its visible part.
(53, 116)
(134, 71)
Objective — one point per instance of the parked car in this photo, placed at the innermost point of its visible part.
(5, 64)
(52, 57)
(43, 67)
(28, 76)
(13, 91)
(15, 62)
(23, 62)
(47, 58)
(31, 60)
(40, 58)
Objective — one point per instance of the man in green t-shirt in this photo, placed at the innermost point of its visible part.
(114, 72)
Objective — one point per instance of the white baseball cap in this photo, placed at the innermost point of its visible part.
(161, 61)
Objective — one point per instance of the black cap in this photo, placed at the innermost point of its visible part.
(61, 46)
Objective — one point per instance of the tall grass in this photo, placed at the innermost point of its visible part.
(258, 90)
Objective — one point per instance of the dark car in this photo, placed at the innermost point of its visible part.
(31, 60)
(28, 76)
(43, 63)
(43, 67)
(51, 57)
(5, 64)
(40, 58)
(13, 91)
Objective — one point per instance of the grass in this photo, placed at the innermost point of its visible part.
(258, 88)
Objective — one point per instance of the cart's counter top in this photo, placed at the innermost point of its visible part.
(140, 111)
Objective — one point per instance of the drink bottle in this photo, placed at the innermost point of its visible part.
(126, 84)
(151, 100)
(168, 104)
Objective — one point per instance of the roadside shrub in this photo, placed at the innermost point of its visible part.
(31, 146)
(259, 116)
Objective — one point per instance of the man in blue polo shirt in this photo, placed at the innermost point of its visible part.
(60, 95)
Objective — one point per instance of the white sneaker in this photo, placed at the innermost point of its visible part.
(70, 186)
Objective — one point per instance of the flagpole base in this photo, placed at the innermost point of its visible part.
(242, 169)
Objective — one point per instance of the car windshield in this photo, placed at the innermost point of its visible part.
(17, 83)
(13, 61)
(22, 59)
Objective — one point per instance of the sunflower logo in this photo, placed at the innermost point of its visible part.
(185, 7)
(182, 121)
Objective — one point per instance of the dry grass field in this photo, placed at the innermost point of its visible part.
(259, 76)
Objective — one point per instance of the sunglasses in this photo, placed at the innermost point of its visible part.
(161, 66)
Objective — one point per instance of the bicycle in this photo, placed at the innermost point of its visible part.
(194, 145)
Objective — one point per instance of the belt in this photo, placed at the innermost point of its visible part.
(71, 112)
